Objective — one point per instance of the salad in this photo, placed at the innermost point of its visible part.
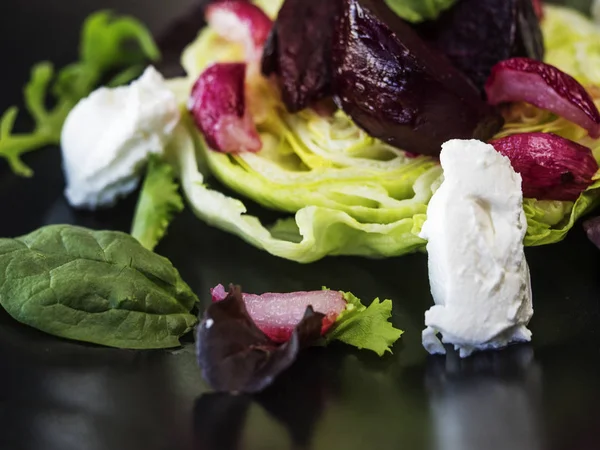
(374, 127)
(343, 185)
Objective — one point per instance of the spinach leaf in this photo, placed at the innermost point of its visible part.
(101, 287)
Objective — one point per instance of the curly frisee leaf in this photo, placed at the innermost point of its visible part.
(365, 327)
(103, 50)
(100, 287)
(158, 203)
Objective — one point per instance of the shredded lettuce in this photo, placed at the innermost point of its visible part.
(158, 203)
(365, 327)
(109, 44)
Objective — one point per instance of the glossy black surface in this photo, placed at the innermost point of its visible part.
(58, 395)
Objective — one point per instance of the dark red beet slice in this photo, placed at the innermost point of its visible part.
(235, 356)
(240, 21)
(278, 314)
(218, 107)
(552, 167)
(397, 88)
(545, 86)
(299, 51)
(477, 34)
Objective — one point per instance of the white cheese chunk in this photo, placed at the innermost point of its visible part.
(477, 268)
(108, 137)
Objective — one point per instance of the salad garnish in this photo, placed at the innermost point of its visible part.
(277, 315)
(236, 356)
(158, 203)
(478, 34)
(244, 340)
(218, 106)
(298, 52)
(346, 191)
(552, 167)
(100, 287)
(345, 318)
(545, 86)
(390, 82)
(117, 46)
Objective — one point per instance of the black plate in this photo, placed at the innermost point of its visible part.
(58, 395)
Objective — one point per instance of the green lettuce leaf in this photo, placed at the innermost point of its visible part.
(158, 203)
(101, 287)
(540, 216)
(108, 44)
(315, 231)
(365, 327)
(419, 10)
(572, 43)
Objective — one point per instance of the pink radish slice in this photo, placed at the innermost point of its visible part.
(277, 315)
(218, 106)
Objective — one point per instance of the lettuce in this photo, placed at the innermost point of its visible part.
(365, 327)
(572, 43)
(419, 10)
(159, 201)
(314, 233)
(106, 47)
(351, 194)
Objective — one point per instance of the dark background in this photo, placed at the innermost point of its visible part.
(58, 395)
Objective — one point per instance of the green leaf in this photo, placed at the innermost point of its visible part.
(159, 201)
(365, 327)
(105, 47)
(419, 10)
(101, 287)
(111, 42)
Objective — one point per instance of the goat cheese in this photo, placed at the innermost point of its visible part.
(478, 273)
(108, 137)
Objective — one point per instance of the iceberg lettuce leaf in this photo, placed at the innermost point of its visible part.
(314, 233)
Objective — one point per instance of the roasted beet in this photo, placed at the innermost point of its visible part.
(477, 34)
(277, 315)
(545, 86)
(397, 88)
(552, 168)
(218, 106)
(298, 51)
(240, 21)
